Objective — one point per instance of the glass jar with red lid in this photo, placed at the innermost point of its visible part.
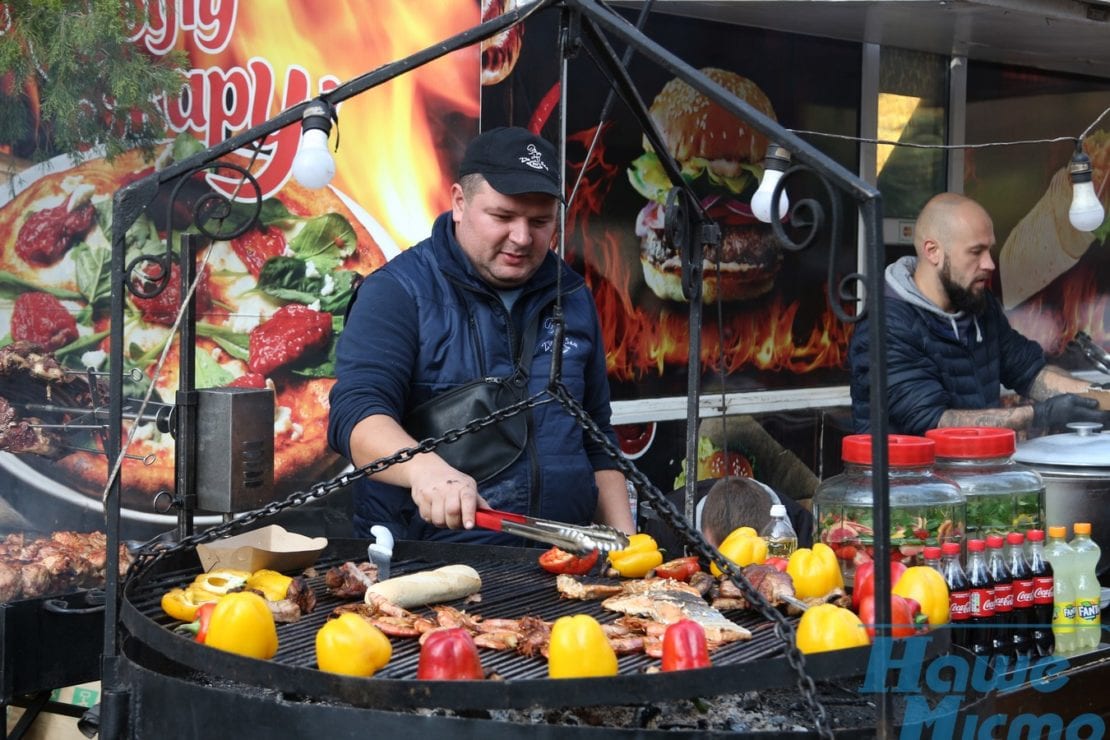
(925, 508)
(1002, 496)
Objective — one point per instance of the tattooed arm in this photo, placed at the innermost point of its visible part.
(1052, 381)
(1018, 417)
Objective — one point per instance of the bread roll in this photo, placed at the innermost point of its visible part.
(427, 587)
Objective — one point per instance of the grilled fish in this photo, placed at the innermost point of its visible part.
(667, 601)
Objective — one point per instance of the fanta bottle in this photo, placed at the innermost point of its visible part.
(1088, 621)
(1059, 553)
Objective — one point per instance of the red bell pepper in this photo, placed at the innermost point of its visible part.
(679, 569)
(864, 584)
(906, 619)
(777, 563)
(198, 628)
(684, 646)
(449, 655)
(560, 561)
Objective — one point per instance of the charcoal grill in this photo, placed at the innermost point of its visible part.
(513, 587)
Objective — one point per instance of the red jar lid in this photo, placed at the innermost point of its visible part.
(973, 442)
(903, 450)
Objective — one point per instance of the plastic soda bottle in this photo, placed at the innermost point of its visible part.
(1043, 578)
(1059, 553)
(781, 538)
(931, 554)
(1021, 579)
(959, 596)
(1088, 620)
(1003, 580)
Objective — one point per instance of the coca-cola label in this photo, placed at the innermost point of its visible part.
(981, 602)
(1004, 597)
(1042, 590)
(959, 606)
(1023, 593)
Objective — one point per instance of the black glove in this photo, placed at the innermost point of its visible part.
(1054, 414)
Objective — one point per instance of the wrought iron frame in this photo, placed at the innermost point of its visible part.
(582, 20)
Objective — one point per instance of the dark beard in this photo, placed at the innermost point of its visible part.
(963, 299)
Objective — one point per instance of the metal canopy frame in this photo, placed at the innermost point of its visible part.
(591, 20)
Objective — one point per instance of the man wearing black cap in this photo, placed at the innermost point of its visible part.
(473, 301)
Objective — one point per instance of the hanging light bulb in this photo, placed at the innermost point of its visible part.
(314, 166)
(775, 163)
(1086, 212)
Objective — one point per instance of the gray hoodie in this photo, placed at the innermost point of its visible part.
(900, 284)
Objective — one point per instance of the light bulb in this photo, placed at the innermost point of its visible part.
(1086, 212)
(314, 166)
(774, 165)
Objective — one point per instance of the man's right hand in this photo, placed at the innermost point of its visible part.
(1054, 414)
(446, 497)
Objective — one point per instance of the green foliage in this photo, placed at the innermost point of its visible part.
(70, 61)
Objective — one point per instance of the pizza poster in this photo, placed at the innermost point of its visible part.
(397, 147)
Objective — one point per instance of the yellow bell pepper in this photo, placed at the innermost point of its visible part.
(352, 646)
(928, 588)
(182, 603)
(579, 649)
(242, 624)
(273, 585)
(743, 546)
(639, 558)
(222, 580)
(815, 572)
(828, 627)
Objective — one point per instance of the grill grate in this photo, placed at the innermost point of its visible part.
(513, 586)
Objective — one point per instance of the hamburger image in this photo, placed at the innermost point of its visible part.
(721, 157)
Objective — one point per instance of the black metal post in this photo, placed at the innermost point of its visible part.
(185, 443)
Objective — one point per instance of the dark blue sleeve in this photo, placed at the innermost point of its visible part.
(1021, 359)
(374, 358)
(597, 401)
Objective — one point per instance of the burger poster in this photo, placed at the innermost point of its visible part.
(767, 321)
(290, 275)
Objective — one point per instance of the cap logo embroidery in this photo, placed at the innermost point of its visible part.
(534, 159)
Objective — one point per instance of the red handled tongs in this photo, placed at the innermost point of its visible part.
(570, 537)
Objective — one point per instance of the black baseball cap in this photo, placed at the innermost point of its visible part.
(514, 161)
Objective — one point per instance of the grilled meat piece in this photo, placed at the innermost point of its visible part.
(773, 585)
(350, 580)
(667, 601)
(573, 587)
(61, 562)
(302, 595)
(22, 436)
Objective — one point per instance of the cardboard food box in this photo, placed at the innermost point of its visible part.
(1102, 395)
(269, 547)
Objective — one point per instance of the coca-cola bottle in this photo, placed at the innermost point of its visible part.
(931, 555)
(980, 590)
(959, 600)
(999, 572)
(1022, 580)
(1040, 631)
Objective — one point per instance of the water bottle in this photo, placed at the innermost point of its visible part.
(1041, 630)
(1088, 620)
(1003, 596)
(959, 598)
(1059, 553)
(781, 538)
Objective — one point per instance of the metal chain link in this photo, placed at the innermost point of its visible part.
(149, 555)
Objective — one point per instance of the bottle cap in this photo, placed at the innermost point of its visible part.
(975, 545)
(932, 552)
(1016, 538)
(1082, 528)
(1035, 535)
(1058, 532)
(950, 548)
(994, 540)
(973, 442)
(778, 510)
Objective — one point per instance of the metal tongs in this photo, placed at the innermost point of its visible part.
(569, 537)
(1097, 356)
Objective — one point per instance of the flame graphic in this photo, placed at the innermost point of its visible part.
(639, 342)
(1073, 303)
(393, 156)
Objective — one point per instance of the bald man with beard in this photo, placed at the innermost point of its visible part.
(950, 348)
